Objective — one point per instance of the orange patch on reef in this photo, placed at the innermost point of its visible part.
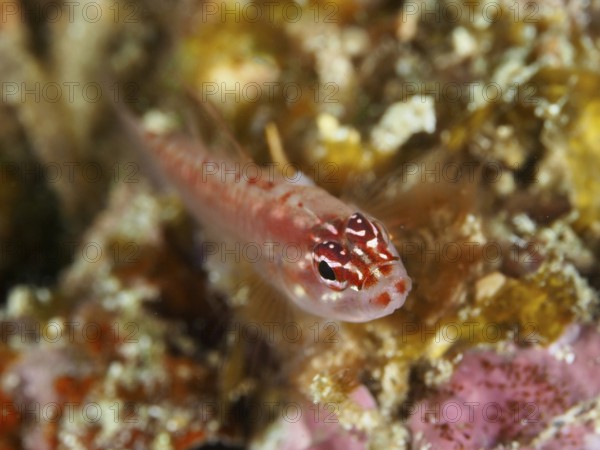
(71, 389)
(190, 439)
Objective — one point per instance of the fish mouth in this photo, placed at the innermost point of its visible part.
(391, 297)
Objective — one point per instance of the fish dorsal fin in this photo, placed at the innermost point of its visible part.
(206, 123)
(404, 200)
(136, 148)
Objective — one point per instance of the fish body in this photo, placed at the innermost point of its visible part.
(323, 255)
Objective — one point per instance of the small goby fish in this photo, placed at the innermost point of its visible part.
(321, 254)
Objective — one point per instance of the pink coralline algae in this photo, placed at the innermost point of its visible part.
(538, 398)
(318, 435)
(320, 429)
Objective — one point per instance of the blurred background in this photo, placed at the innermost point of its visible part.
(471, 129)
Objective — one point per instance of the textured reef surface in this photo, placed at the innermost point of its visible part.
(469, 129)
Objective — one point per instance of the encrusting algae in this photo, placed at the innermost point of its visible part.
(467, 129)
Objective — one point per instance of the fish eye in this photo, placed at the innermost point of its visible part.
(326, 272)
(329, 259)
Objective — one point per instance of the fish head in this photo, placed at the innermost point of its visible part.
(359, 273)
